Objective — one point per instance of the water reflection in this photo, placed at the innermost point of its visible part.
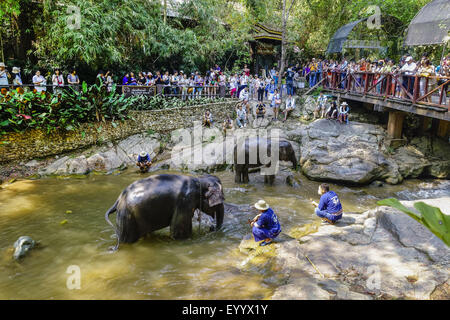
(203, 267)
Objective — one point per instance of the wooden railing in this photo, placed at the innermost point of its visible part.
(431, 91)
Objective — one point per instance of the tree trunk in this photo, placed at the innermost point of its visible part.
(283, 46)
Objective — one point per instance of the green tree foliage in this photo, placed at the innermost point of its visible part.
(132, 35)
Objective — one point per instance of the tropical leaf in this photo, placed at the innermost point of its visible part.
(431, 217)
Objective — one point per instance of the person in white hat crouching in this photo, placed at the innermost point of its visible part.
(343, 112)
(144, 161)
(266, 226)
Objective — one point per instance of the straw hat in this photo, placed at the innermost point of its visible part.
(261, 205)
(15, 70)
(143, 154)
(2, 65)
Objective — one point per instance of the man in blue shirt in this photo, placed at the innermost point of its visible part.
(265, 225)
(329, 208)
(144, 161)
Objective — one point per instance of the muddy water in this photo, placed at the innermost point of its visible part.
(203, 267)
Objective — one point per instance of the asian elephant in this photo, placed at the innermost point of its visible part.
(165, 200)
(247, 155)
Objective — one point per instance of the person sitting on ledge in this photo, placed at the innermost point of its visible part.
(144, 161)
(227, 125)
(241, 117)
(332, 110)
(260, 110)
(343, 112)
(265, 226)
(290, 105)
(329, 208)
(207, 119)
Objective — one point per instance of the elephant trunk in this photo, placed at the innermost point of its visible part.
(219, 216)
(294, 161)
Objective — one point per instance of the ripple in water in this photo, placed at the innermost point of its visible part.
(426, 190)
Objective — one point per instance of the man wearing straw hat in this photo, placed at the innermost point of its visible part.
(144, 161)
(265, 225)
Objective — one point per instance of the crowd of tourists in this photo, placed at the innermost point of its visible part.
(215, 82)
(407, 68)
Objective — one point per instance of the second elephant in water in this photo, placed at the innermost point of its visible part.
(166, 200)
(249, 153)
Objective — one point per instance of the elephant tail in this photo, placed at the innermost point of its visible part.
(111, 210)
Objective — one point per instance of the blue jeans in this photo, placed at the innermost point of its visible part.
(290, 88)
(239, 123)
(329, 216)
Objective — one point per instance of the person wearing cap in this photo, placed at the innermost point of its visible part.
(144, 161)
(408, 70)
(4, 75)
(329, 207)
(265, 226)
(17, 81)
(343, 112)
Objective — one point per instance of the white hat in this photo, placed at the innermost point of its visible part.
(261, 205)
(2, 64)
(143, 154)
(15, 70)
(408, 59)
(344, 103)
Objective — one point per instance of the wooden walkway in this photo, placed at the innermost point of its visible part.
(425, 96)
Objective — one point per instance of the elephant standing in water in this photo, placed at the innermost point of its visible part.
(166, 200)
(247, 155)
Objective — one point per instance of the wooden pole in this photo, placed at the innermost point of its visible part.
(165, 11)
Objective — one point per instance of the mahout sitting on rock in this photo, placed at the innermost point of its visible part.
(329, 208)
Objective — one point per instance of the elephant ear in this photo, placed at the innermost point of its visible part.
(214, 195)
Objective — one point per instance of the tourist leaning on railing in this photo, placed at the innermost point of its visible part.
(4, 75)
(17, 81)
(57, 81)
(39, 82)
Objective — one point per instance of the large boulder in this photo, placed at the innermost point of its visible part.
(346, 153)
(106, 158)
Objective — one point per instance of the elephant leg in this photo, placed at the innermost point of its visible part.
(271, 179)
(237, 175)
(181, 224)
(245, 175)
(127, 227)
